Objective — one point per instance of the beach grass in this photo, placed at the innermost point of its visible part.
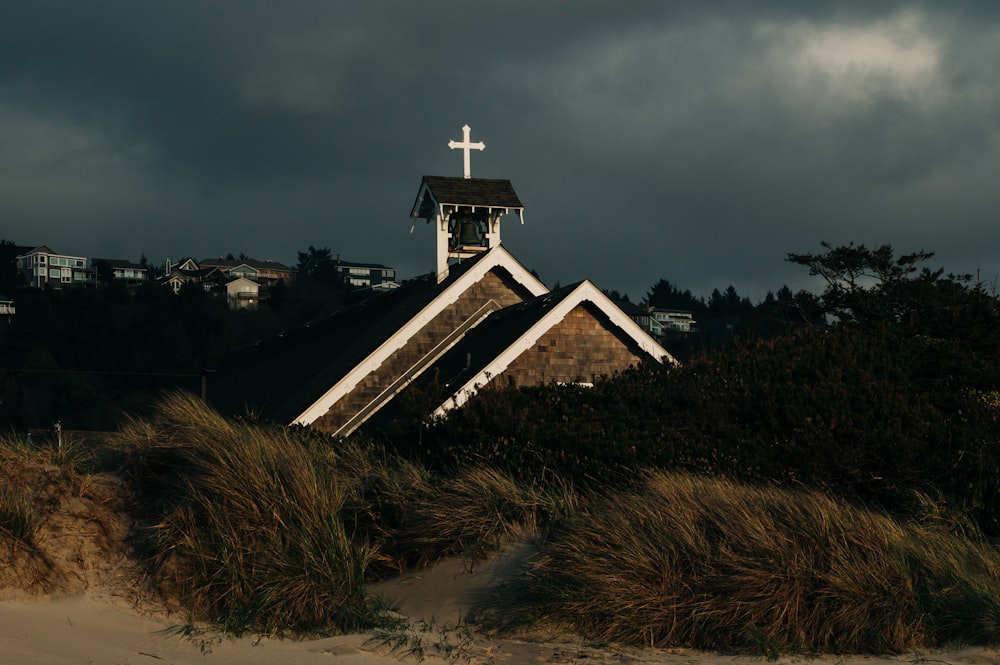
(476, 511)
(711, 564)
(271, 530)
(250, 533)
(19, 519)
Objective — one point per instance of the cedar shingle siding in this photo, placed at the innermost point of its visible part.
(578, 348)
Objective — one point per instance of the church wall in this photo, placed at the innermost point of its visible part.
(495, 285)
(577, 349)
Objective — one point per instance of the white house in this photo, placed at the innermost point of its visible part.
(43, 267)
(242, 293)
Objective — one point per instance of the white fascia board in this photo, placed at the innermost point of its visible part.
(586, 291)
(519, 272)
(629, 325)
(496, 257)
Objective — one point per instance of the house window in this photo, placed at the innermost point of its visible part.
(54, 272)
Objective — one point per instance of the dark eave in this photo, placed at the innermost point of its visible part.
(437, 191)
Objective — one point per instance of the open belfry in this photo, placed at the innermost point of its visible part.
(481, 316)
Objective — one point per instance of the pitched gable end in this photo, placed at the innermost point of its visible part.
(571, 336)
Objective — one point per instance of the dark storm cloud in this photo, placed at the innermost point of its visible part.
(698, 142)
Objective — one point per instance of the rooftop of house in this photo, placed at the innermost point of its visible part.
(120, 263)
(40, 249)
(355, 264)
(503, 329)
(253, 263)
(277, 378)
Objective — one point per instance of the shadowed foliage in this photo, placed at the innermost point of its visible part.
(899, 396)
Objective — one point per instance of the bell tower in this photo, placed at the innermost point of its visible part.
(465, 211)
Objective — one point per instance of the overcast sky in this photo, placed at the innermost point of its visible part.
(697, 142)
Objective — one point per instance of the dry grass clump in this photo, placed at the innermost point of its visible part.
(273, 528)
(250, 533)
(26, 493)
(476, 511)
(414, 517)
(709, 564)
(389, 493)
(19, 520)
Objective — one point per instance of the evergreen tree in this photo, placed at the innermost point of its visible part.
(10, 279)
(665, 295)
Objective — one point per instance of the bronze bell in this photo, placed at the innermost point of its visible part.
(468, 233)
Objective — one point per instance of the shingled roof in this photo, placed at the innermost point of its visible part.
(438, 191)
(253, 263)
(279, 378)
(474, 358)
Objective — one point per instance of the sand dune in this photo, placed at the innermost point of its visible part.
(74, 598)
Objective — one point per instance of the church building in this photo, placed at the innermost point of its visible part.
(481, 316)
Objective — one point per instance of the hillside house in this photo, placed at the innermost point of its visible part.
(265, 273)
(242, 293)
(244, 282)
(367, 275)
(120, 270)
(666, 324)
(478, 317)
(209, 279)
(42, 267)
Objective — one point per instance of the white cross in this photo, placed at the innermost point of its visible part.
(466, 145)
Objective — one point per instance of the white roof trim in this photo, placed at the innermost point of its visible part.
(586, 291)
(495, 257)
